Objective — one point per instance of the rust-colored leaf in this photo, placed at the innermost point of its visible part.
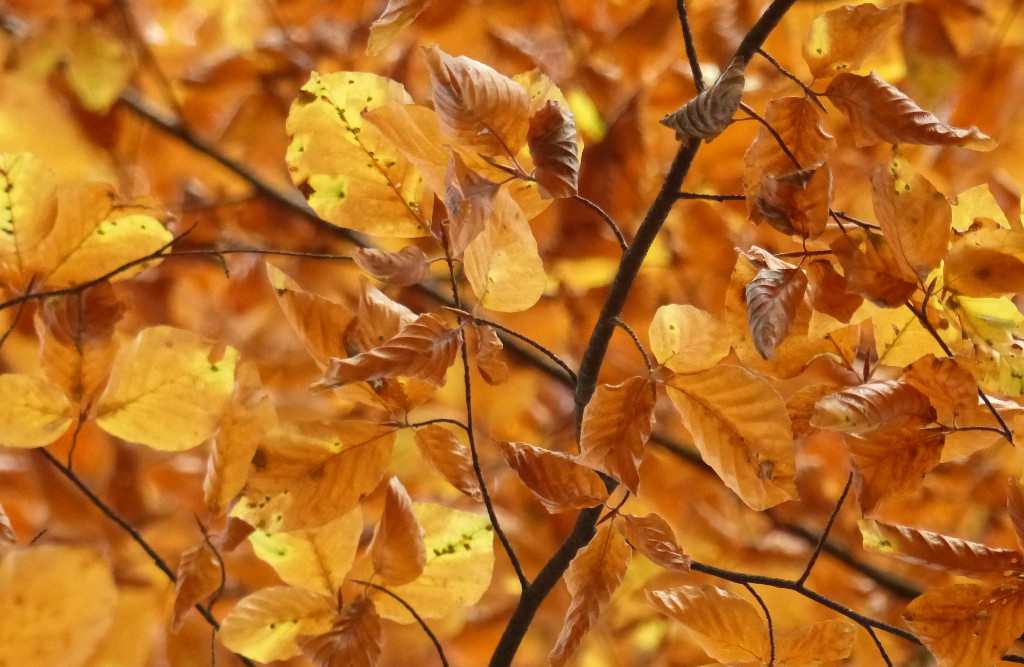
(936, 550)
(7, 533)
(871, 268)
(379, 318)
(446, 454)
(424, 350)
(817, 643)
(707, 115)
(893, 461)
(556, 478)
(592, 577)
(406, 267)
(552, 141)
(355, 639)
(653, 537)
(947, 382)
(915, 218)
(828, 291)
(772, 300)
(397, 548)
(318, 321)
(842, 38)
(878, 111)
(469, 200)
(488, 358)
(616, 425)
(199, 576)
(881, 404)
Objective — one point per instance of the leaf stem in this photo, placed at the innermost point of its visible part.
(419, 619)
(607, 220)
(824, 533)
(768, 620)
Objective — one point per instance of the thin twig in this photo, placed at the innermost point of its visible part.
(419, 619)
(768, 620)
(878, 643)
(792, 77)
(698, 195)
(860, 223)
(691, 47)
(824, 533)
(532, 343)
(772, 131)
(438, 420)
(607, 220)
(636, 341)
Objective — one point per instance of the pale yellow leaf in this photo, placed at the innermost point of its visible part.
(28, 210)
(34, 412)
(687, 339)
(265, 625)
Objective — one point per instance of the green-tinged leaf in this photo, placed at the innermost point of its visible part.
(265, 625)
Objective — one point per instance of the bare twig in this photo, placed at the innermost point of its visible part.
(824, 533)
(607, 220)
(691, 47)
(768, 620)
(419, 619)
(636, 341)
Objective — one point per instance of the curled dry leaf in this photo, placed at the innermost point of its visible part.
(406, 267)
(936, 550)
(476, 106)
(355, 639)
(881, 404)
(199, 577)
(446, 454)
(617, 423)
(842, 38)
(653, 537)
(772, 301)
(488, 359)
(395, 18)
(552, 140)
(397, 548)
(872, 270)
(878, 111)
(707, 115)
(592, 577)
(560, 482)
(424, 349)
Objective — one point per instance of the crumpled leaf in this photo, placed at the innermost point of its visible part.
(264, 625)
(446, 454)
(710, 112)
(878, 111)
(936, 550)
(880, 404)
(355, 639)
(424, 350)
(555, 478)
(772, 301)
(592, 577)
(617, 423)
(397, 548)
(488, 358)
(34, 412)
(653, 537)
(199, 577)
(166, 390)
(393, 20)
(406, 267)
(552, 139)
(842, 38)
(687, 339)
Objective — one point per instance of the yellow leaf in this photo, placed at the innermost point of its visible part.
(353, 641)
(264, 625)
(592, 577)
(165, 391)
(977, 206)
(502, 263)
(397, 549)
(99, 65)
(556, 478)
(727, 627)
(994, 327)
(739, 424)
(687, 339)
(986, 263)
(901, 339)
(460, 558)
(34, 412)
(617, 423)
(355, 177)
(28, 209)
(841, 39)
(314, 558)
(58, 604)
(395, 18)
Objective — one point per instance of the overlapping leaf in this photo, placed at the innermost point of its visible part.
(355, 639)
(556, 478)
(871, 268)
(199, 576)
(842, 38)
(617, 423)
(397, 548)
(395, 18)
(893, 461)
(772, 301)
(446, 454)
(488, 356)
(552, 140)
(937, 550)
(265, 625)
(687, 339)
(406, 267)
(986, 263)
(915, 218)
(880, 404)
(34, 412)
(653, 537)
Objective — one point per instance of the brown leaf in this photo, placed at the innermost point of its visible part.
(446, 454)
(406, 267)
(395, 18)
(915, 218)
(199, 577)
(871, 268)
(800, 406)
(947, 382)
(488, 361)
(772, 300)
(6, 529)
(968, 625)
(379, 318)
(880, 404)
(892, 461)
(355, 639)
(1015, 508)
(842, 38)
(727, 627)
(552, 140)
(469, 200)
(476, 106)
(617, 423)
(592, 577)
(397, 548)
(986, 263)
(653, 537)
(878, 111)
(936, 550)
(792, 197)
(707, 115)
(829, 294)
(556, 478)
(424, 350)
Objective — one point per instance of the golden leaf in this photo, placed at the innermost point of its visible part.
(947, 382)
(199, 577)
(937, 550)
(469, 200)
(915, 218)
(617, 423)
(687, 339)
(488, 360)
(397, 548)
(986, 263)
(395, 18)
(842, 38)
(264, 626)
(555, 478)
(880, 404)
(33, 411)
(318, 321)
(816, 643)
(772, 301)
(893, 461)
(353, 641)
(653, 537)
(28, 210)
(446, 454)
(406, 267)
(871, 268)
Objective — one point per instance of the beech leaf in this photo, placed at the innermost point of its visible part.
(395, 18)
(33, 411)
(653, 537)
(265, 625)
(936, 550)
(446, 454)
(552, 140)
(397, 547)
(710, 112)
(406, 267)
(1015, 508)
(687, 339)
(915, 218)
(816, 643)
(318, 321)
(772, 301)
(986, 263)
(199, 577)
(355, 639)
(469, 200)
(555, 478)
(878, 111)
(617, 423)
(842, 38)
(488, 358)
(893, 461)
(880, 404)
(593, 576)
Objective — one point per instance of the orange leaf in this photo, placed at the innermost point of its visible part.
(968, 625)
(379, 318)
(707, 115)
(772, 300)
(653, 537)
(687, 339)
(947, 382)
(397, 548)
(592, 577)
(476, 106)
(318, 321)
(841, 39)
(829, 294)
(1015, 507)
(915, 218)
(739, 424)
(893, 461)
(556, 478)
(424, 350)
(936, 550)
(792, 197)
(552, 141)
(469, 200)
(617, 423)
(986, 263)
(408, 266)
(199, 577)
(264, 626)
(817, 643)
(395, 18)
(727, 627)
(493, 370)
(881, 404)
(871, 268)
(446, 454)
(7, 533)
(880, 112)
(353, 641)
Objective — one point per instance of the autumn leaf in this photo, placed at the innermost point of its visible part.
(892, 461)
(552, 140)
(994, 327)
(397, 548)
(264, 626)
(842, 38)
(707, 115)
(355, 177)
(687, 339)
(772, 300)
(617, 423)
(167, 390)
(424, 349)
(1015, 508)
(880, 112)
(33, 411)
(28, 211)
(395, 18)
(653, 537)
(555, 478)
(817, 643)
(379, 318)
(488, 358)
(871, 268)
(199, 576)
(828, 291)
(725, 626)
(446, 454)
(915, 218)
(318, 321)
(880, 404)
(937, 550)
(469, 200)
(739, 424)
(406, 267)
(986, 263)
(947, 382)
(7, 533)
(476, 106)
(355, 639)
(593, 576)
